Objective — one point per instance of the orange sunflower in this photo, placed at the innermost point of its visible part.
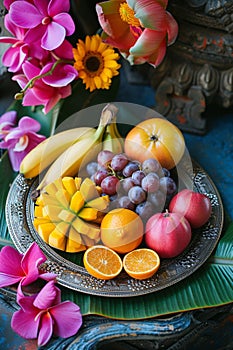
(96, 62)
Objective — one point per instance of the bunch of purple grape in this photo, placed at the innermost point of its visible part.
(142, 187)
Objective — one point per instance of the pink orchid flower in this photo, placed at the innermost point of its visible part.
(44, 314)
(21, 140)
(41, 93)
(23, 268)
(7, 121)
(49, 20)
(23, 46)
(140, 29)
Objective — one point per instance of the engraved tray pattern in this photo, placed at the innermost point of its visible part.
(19, 217)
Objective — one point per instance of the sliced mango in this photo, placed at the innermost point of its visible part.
(69, 184)
(52, 211)
(88, 190)
(44, 230)
(47, 199)
(51, 189)
(88, 214)
(38, 211)
(40, 220)
(91, 230)
(78, 181)
(57, 239)
(63, 197)
(66, 215)
(100, 203)
(77, 202)
(74, 242)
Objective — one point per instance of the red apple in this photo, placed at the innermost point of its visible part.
(196, 207)
(168, 234)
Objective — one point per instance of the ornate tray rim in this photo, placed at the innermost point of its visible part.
(19, 218)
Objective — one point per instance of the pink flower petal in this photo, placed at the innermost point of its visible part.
(30, 124)
(56, 7)
(30, 70)
(147, 43)
(151, 13)
(8, 40)
(67, 317)
(53, 37)
(65, 50)
(172, 28)
(62, 75)
(17, 14)
(9, 118)
(7, 280)
(25, 324)
(46, 329)
(48, 296)
(15, 159)
(10, 261)
(42, 6)
(65, 20)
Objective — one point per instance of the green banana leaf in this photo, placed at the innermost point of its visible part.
(209, 286)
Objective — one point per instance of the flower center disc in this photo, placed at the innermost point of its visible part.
(127, 15)
(93, 63)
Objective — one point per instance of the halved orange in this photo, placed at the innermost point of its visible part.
(141, 263)
(102, 262)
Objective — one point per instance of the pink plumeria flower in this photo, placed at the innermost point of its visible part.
(43, 315)
(22, 268)
(140, 29)
(49, 20)
(21, 140)
(41, 93)
(7, 122)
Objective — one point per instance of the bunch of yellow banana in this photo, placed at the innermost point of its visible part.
(66, 152)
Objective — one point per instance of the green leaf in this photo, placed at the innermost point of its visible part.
(7, 176)
(209, 286)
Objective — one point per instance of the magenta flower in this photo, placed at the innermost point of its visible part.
(23, 46)
(41, 93)
(23, 268)
(44, 314)
(7, 121)
(140, 29)
(21, 140)
(49, 20)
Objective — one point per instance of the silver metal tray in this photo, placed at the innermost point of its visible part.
(19, 217)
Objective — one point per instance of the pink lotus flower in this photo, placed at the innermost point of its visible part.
(41, 93)
(21, 140)
(7, 121)
(140, 29)
(23, 268)
(44, 314)
(48, 20)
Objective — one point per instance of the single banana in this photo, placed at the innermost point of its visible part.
(78, 154)
(112, 140)
(44, 154)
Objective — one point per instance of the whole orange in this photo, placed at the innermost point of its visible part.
(121, 230)
(155, 138)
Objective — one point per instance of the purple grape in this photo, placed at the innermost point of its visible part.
(166, 172)
(100, 175)
(137, 177)
(130, 168)
(125, 185)
(158, 199)
(145, 210)
(150, 165)
(118, 162)
(137, 195)
(124, 202)
(167, 185)
(104, 158)
(109, 185)
(91, 168)
(150, 183)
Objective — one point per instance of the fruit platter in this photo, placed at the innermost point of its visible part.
(117, 213)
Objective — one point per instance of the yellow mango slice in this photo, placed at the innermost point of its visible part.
(90, 230)
(57, 239)
(40, 220)
(66, 215)
(88, 241)
(63, 197)
(74, 242)
(38, 211)
(78, 181)
(63, 227)
(44, 230)
(77, 202)
(58, 184)
(88, 190)
(69, 184)
(100, 203)
(88, 214)
(47, 199)
(51, 189)
(52, 211)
